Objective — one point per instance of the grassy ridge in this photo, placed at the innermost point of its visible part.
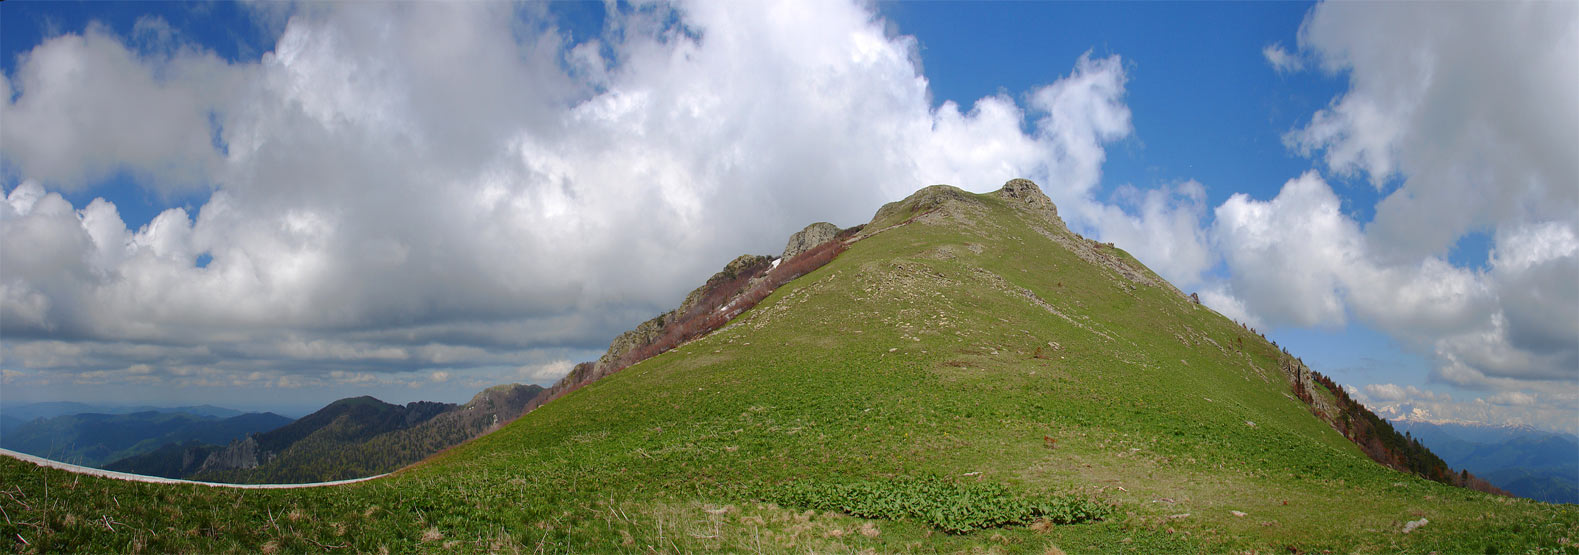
(966, 344)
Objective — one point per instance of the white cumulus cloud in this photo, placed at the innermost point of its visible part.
(1281, 59)
(1463, 117)
(1471, 105)
(420, 190)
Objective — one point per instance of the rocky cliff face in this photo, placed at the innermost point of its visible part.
(736, 276)
(494, 406)
(645, 333)
(813, 235)
(1304, 385)
(749, 265)
(1025, 192)
(418, 412)
(242, 453)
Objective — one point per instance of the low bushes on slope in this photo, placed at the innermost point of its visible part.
(944, 504)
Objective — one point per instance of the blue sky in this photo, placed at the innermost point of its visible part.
(292, 189)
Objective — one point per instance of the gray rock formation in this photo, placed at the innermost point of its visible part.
(1025, 191)
(928, 198)
(241, 453)
(644, 334)
(649, 331)
(732, 270)
(1303, 383)
(813, 235)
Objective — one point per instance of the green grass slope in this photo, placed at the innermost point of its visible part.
(966, 361)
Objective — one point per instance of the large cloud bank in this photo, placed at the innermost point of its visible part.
(410, 189)
(1465, 118)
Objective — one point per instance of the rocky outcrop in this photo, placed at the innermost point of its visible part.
(813, 235)
(735, 278)
(741, 275)
(486, 410)
(241, 453)
(919, 202)
(744, 264)
(646, 332)
(1025, 192)
(1304, 385)
(418, 412)
(505, 401)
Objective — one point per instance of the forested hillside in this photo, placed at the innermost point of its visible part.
(97, 439)
(350, 438)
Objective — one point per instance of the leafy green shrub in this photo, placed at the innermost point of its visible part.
(941, 503)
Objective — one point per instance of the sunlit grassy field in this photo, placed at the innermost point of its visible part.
(967, 348)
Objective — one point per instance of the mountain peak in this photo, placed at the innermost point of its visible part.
(919, 202)
(1026, 192)
(1018, 192)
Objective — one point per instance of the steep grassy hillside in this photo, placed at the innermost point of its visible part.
(966, 364)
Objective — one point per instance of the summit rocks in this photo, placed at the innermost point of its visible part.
(1025, 191)
(813, 235)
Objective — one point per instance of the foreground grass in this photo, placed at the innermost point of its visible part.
(916, 353)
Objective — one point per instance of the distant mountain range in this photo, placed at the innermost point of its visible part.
(93, 439)
(1524, 461)
(27, 412)
(8, 423)
(349, 438)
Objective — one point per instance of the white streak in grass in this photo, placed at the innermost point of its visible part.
(161, 480)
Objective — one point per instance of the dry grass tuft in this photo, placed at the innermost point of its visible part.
(432, 535)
